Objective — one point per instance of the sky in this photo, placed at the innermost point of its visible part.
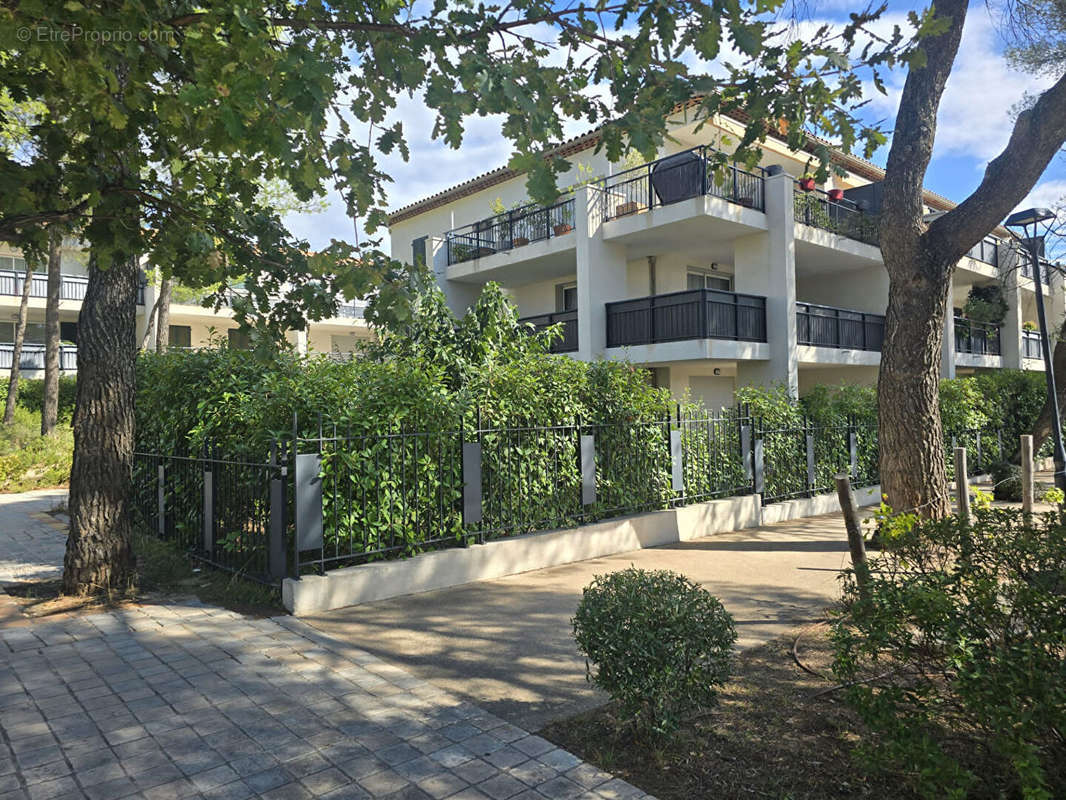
(973, 126)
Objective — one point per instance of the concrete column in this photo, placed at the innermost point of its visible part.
(151, 294)
(301, 341)
(601, 274)
(765, 264)
(459, 296)
(1010, 334)
(947, 352)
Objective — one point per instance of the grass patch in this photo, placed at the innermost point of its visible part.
(772, 735)
(31, 461)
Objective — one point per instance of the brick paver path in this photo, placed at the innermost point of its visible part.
(31, 541)
(184, 700)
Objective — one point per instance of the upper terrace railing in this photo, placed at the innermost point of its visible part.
(986, 250)
(977, 338)
(841, 328)
(693, 314)
(568, 319)
(681, 176)
(816, 208)
(33, 356)
(515, 228)
(71, 287)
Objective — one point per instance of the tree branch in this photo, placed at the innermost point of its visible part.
(1038, 135)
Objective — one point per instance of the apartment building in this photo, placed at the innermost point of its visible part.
(191, 324)
(713, 280)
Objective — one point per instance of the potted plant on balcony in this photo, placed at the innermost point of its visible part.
(836, 195)
(985, 304)
(1029, 327)
(806, 183)
(565, 220)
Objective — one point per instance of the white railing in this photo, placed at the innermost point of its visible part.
(33, 357)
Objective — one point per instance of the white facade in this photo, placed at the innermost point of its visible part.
(792, 287)
(191, 325)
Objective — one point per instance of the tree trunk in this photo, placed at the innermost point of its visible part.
(913, 469)
(98, 548)
(50, 404)
(162, 336)
(149, 325)
(16, 353)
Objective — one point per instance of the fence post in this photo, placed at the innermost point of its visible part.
(962, 486)
(758, 466)
(161, 501)
(677, 467)
(979, 466)
(276, 565)
(745, 452)
(810, 462)
(853, 526)
(210, 494)
(588, 469)
(1027, 474)
(472, 512)
(853, 451)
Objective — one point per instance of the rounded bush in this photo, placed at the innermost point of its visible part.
(656, 642)
(1007, 482)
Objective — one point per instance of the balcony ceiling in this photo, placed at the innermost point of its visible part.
(713, 238)
(813, 259)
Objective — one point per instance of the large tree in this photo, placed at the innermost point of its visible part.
(920, 257)
(174, 111)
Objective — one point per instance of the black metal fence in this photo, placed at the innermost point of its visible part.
(826, 326)
(977, 338)
(682, 176)
(341, 498)
(1031, 347)
(691, 314)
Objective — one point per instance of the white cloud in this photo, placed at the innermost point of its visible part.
(1047, 194)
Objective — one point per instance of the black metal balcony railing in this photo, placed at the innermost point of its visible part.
(977, 338)
(1031, 345)
(841, 328)
(986, 250)
(515, 228)
(351, 310)
(694, 314)
(568, 319)
(71, 287)
(33, 357)
(843, 217)
(690, 173)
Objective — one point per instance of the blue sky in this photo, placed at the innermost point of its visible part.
(973, 125)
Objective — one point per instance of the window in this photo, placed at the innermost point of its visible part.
(238, 339)
(566, 297)
(180, 336)
(68, 332)
(698, 279)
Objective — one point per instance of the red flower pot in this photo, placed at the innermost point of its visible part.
(836, 194)
(807, 184)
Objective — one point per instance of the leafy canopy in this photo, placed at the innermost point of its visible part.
(173, 114)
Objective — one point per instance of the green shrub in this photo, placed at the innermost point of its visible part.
(29, 460)
(955, 655)
(1007, 482)
(656, 642)
(31, 395)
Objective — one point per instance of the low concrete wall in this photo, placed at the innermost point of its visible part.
(813, 506)
(440, 569)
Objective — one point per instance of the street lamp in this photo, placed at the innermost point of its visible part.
(1023, 220)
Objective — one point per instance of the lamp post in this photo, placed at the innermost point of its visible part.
(1023, 220)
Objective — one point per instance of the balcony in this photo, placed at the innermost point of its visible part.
(842, 217)
(1031, 345)
(351, 310)
(568, 319)
(515, 228)
(33, 357)
(986, 251)
(71, 287)
(977, 338)
(839, 328)
(681, 316)
(682, 176)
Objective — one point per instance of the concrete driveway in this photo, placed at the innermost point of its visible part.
(506, 644)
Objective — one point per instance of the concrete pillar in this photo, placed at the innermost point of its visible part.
(601, 274)
(1010, 334)
(300, 341)
(947, 352)
(458, 296)
(151, 294)
(765, 264)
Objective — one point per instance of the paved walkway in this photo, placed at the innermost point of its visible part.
(507, 644)
(183, 700)
(31, 542)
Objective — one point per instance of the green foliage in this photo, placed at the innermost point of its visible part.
(986, 304)
(29, 460)
(955, 655)
(1007, 481)
(31, 395)
(1055, 496)
(658, 643)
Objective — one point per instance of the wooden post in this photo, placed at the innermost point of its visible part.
(852, 523)
(1027, 474)
(962, 485)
